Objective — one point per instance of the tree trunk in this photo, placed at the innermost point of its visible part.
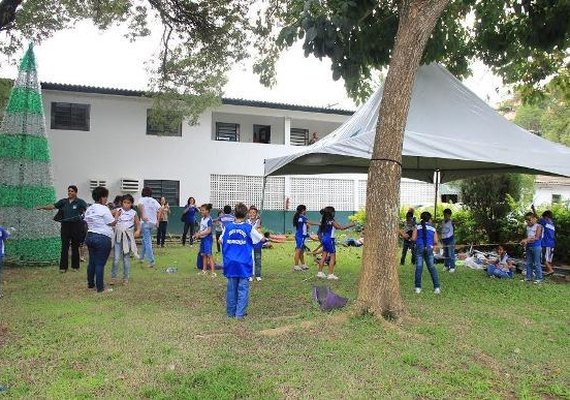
(379, 287)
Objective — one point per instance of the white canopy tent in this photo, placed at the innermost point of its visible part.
(449, 130)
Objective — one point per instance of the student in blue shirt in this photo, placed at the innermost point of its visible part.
(502, 267)
(425, 237)
(206, 237)
(448, 241)
(238, 240)
(4, 234)
(189, 219)
(532, 244)
(224, 218)
(548, 240)
(301, 224)
(328, 228)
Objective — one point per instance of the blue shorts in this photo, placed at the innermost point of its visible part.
(299, 242)
(206, 246)
(329, 245)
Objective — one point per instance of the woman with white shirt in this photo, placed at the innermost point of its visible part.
(99, 234)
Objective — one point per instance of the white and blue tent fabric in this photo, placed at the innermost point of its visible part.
(449, 129)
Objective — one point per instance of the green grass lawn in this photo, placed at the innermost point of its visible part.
(166, 336)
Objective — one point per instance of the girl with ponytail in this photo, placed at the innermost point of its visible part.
(301, 224)
(327, 230)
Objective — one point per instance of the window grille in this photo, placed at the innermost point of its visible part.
(163, 123)
(299, 137)
(362, 193)
(129, 185)
(232, 189)
(168, 189)
(70, 116)
(93, 183)
(412, 193)
(227, 132)
(317, 193)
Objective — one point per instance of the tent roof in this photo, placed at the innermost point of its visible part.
(449, 128)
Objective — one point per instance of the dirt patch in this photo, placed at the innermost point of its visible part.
(3, 335)
(303, 325)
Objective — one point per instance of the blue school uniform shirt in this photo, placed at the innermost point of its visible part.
(429, 233)
(3, 236)
(548, 232)
(329, 230)
(205, 223)
(238, 240)
(190, 216)
(301, 226)
(226, 219)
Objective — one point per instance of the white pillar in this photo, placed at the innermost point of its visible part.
(287, 128)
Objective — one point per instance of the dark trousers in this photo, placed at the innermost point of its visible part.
(99, 247)
(188, 226)
(218, 234)
(161, 233)
(257, 262)
(72, 233)
(408, 244)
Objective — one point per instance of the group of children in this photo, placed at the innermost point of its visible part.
(423, 237)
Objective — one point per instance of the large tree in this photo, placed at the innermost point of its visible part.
(524, 42)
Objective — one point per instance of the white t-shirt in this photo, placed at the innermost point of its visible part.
(150, 209)
(98, 217)
(127, 219)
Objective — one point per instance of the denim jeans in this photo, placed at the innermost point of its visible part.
(408, 244)
(533, 254)
(449, 253)
(99, 247)
(257, 262)
(146, 228)
(494, 271)
(118, 254)
(161, 233)
(237, 297)
(1, 270)
(425, 253)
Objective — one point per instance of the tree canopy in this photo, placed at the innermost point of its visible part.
(201, 40)
(523, 42)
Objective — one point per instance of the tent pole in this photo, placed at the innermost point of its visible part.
(264, 184)
(436, 181)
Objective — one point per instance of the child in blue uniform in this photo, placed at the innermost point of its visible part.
(4, 234)
(328, 227)
(502, 267)
(425, 237)
(254, 220)
(548, 240)
(301, 224)
(206, 239)
(448, 241)
(532, 244)
(238, 240)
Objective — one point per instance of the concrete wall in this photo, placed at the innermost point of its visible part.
(543, 194)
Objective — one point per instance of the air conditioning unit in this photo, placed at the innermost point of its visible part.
(93, 183)
(129, 185)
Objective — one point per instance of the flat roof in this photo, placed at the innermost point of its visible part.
(64, 87)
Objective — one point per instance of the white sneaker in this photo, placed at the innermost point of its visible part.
(332, 277)
(418, 290)
(251, 279)
(452, 270)
(258, 278)
(304, 267)
(321, 274)
(297, 268)
(437, 290)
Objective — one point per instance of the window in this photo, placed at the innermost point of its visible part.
(71, 116)
(163, 123)
(556, 198)
(299, 137)
(168, 189)
(261, 133)
(227, 132)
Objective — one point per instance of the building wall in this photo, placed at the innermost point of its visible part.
(117, 146)
(544, 193)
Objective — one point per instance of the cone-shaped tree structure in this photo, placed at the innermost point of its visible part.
(26, 179)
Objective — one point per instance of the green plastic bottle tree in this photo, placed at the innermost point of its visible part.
(26, 179)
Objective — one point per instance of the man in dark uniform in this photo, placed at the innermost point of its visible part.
(72, 227)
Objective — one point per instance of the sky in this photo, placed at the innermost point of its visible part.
(86, 56)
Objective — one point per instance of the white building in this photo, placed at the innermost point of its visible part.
(551, 189)
(102, 136)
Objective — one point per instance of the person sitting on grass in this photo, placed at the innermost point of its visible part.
(502, 267)
(352, 242)
(238, 240)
